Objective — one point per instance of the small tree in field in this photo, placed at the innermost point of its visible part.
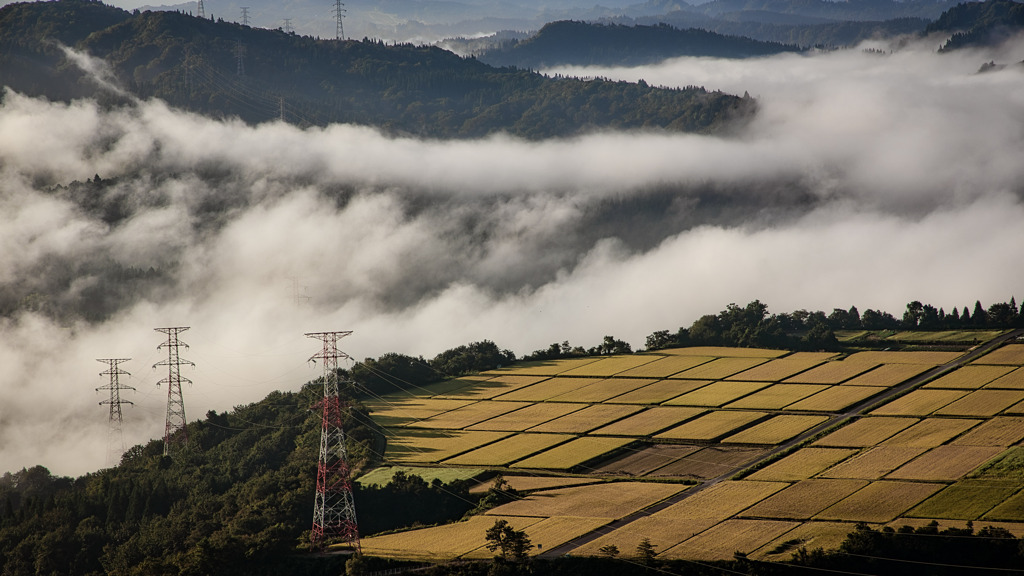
(513, 544)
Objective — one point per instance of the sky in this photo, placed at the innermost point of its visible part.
(865, 179)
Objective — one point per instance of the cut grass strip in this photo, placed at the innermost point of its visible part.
(802, 464)
(649, 421)
(713, 425)
(775, 430)
(573, 453)
(880, 501)
(1011, 509)
(508, 450)
(589, 418)
(716, 394)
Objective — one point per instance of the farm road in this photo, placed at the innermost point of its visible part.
(834, 421)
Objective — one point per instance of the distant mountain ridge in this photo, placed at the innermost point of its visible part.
(979, 23)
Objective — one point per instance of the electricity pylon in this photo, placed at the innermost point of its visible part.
(175, 429)
(115, 435)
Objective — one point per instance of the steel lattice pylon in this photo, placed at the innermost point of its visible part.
(334, 510)
(115, 435)
(175, 430)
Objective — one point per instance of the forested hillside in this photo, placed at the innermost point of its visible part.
(225, 69)
(975, 24)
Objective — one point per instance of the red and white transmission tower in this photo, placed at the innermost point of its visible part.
(334, 510)
(115, 436)
(175, 430)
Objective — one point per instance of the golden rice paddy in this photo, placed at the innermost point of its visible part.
(725, 352)
(967, 500)
(610, 366)
(782, 368)
(777, 396)
(549, 533)
(508, 450)
(543, 367)
(802, 464)
(716, 394)
(721, 541)
(438, 543)
(776, 429)
(835, 398)
(998, 431)
(405, 410)
(896, 357)
(982, 403)
(804, 499)
(573, 453)
(531, 483)
(832, 372)
(1012, 354)
(888, 375)
(712, 425)
(527, 417)
(589, 418)
(468, 415)
(945, 463)
(720, 368)
(603, 390)
(426, 446)
(880, 501)
(1014, 380)
(659, 391)
(874, 463)
(665, 366)
(610, 500)
(931, 432)
(865, 432)
(970, 377)
(919, 403)
(547, 389)
(487, 389)
(809, 535)
(650, 421)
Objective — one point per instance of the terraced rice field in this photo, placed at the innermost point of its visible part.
(720, 368)
(880, 501)
(609, 501)
(527, 417)
(400, 411)
(777, 396)
(544, 367)
(603, 390)
(468, 415)
(427, 446)
(804, 499)
(608, 367)
(547, 389)
(573, 453)
(1010, 354)
(508, 450)
(835, 398)
(587, 419)
(776, 429)
(665, 366)
(487, 389)
(724, 352)
(723, 540)
(898, 357)
(802, 464)
(832, 372)
(782, 368)
(970, 377)
(920, 402)
(712, 425)
(716, 394)
(659, 391)
(650, 421)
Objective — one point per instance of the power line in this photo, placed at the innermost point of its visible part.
(175, 426)
(115, 435)
(339, 14)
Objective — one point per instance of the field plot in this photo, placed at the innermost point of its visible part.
(468, 415)
(970, 377)
(999, 431)
(865, 432)
(966, 500)
(447, 386)
(649, 421)
(381, 476)
(782, 368)
(1014, 381)
(880, 501)
(888, 375)
(1011, 354)
(804, 499)
(896, 357)
(659, 391)
(809, 535)
(547, 389)
(802, 464)
(487, 389)
(711, 462)
(874, 462)
(720, 368)
(611, 365)
(931, 432)
(665, 366)
(427, 446)
(716, 394)
(719, 502)
(662, 532)
(713, 425)
(722, 540)
(919, 403)
(543, 367)
(835, 398)
(777, 396)
(1008, 467)
(603, 390)
(531, 483)
(1015, 528)
(1011, 509)
(523, 418)
(610, 500)
(776, 430)
(589, 418)
(573, 453)
(982, 403)
(508, 450)
(408, 410)
(646, 460)
(945, 463)
(725, 352)
(832, 372)
(549, 533)
(439, 542)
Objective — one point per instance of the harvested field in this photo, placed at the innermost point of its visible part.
(665, 366)
(547, 389)
(446, 387)
(864, 432)
(1015, 528)
(381, 476)
(532, 483)
(875, 462)
(832, 372)
(468, 415)
(1011, 354)
(967, 500)
(610, 500)
(649, 421)
(932, 432)
(508, 450)
(998, 431)
(408, 410)
(836, 398)
(880, 501)
(777, 396)
(523, 418)
(802, 464)
(426, 446)
(646, 460)
(716, 394)
(720, 368)
(721, 501)
(722, 540)
(804, 499)
(982, 403)
(724, 352)
(1013, 381)
(712, 425)
(782, 368)
(945, 463)
(919, 403)
(662, 533)
(543, 367)
(776, 429)
(659, 392)
(549, 533)
(438, 543)
(573, 453)
(1011, 509)
(589, 418)
(487, 389)
(809, 535)
(711, 462)
(611, 365)
(970, 377)
(888, 375)
(603, 390)
(895, 357)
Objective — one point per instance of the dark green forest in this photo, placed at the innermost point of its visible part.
(978, 24)
(224, 69)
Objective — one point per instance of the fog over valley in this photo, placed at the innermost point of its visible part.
(867, 178)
